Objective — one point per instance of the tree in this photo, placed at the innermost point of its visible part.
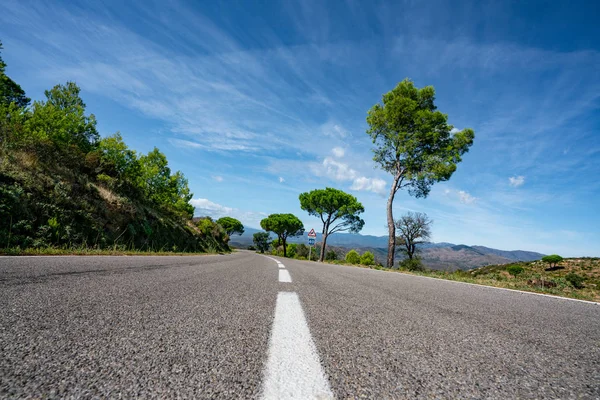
(10, 91)
(61, 119)
(414, 143)
(352, 257)
(415, 228)
(231, 225)
(367, 258)
(552, 259)
(261, 241)
(338, 211)
(284, 226)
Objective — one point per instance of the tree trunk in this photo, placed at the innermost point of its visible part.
(391, 226)
(322, 256)
(284, 247)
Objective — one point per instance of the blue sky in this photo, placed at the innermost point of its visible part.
(257, 102)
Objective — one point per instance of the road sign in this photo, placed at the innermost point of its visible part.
(312, 233)
(311, 241)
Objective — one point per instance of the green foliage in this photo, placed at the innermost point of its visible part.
(515, 270)
(338, 210)
(291, 250)
(61, 119)
(414, 143)
(302, 250)
(575, 280)
(412, 264)
(367, 258)
(231, 225)
(552, 259)
(331, 255)
(284, 226)
(261, 241)
(62, 187)
(352, 257)
(10, 91)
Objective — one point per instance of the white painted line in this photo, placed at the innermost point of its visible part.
(293, 369)
(284, 276)
(280, 265)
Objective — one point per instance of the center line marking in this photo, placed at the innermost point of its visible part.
(284, 276)
(293, 369)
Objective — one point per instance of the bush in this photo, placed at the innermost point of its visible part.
(413, 264)
(352, 257)
(302, 251)
(290, 250)
(367, 258)
(514, 270)
(251, 248)
(575, 280)
(331, 255)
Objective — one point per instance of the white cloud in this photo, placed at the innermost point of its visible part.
(375, 185)
(465, 197)
(333, 129)
(218, 178)
(336, 170)
(454, 130)
(281, 180)
(338, 152)
(516, 181)
(207, 208)
(460, 195)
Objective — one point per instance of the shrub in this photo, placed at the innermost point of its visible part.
(575, 280)
(291, 250)
(352, 257)
(331, 255)
(413, 264)
(251, 248)
(514, 270)
(367, 258)
(302, 250)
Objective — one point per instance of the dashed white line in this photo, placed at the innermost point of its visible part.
(280, 265)
(284, 276)
(293, 369)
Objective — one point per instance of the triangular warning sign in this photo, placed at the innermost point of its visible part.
(312, 233)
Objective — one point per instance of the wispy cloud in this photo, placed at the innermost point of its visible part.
(281, 180)
(338, 152)
(516, 181)
(205, 207)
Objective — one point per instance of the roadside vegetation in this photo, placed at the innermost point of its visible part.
(64, 189)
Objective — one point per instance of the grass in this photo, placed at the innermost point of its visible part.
(84, 251)
(526, 276)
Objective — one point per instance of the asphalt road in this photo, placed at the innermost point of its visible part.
(232, 326)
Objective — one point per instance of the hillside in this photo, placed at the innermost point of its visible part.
(64, 187)
(439, 256)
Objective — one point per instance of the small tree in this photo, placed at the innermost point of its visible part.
(302, 250)
(414, 143)
(367, 258)
(552, 259)
(261, 241)
(284, 226)
(331, 255)
(339, 212)
(415, 228)
(231, 225)
(352, 257)
(515, 270)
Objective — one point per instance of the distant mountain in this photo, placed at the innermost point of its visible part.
(442, 256)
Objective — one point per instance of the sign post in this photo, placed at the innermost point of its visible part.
(312, 236)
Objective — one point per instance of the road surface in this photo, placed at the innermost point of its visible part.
(249, 326)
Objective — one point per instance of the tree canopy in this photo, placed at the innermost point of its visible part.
(552, 259)
(261, 241)
(339, 212)
(231, 225)
(414, 143)
(284, 226)
(10, 91)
